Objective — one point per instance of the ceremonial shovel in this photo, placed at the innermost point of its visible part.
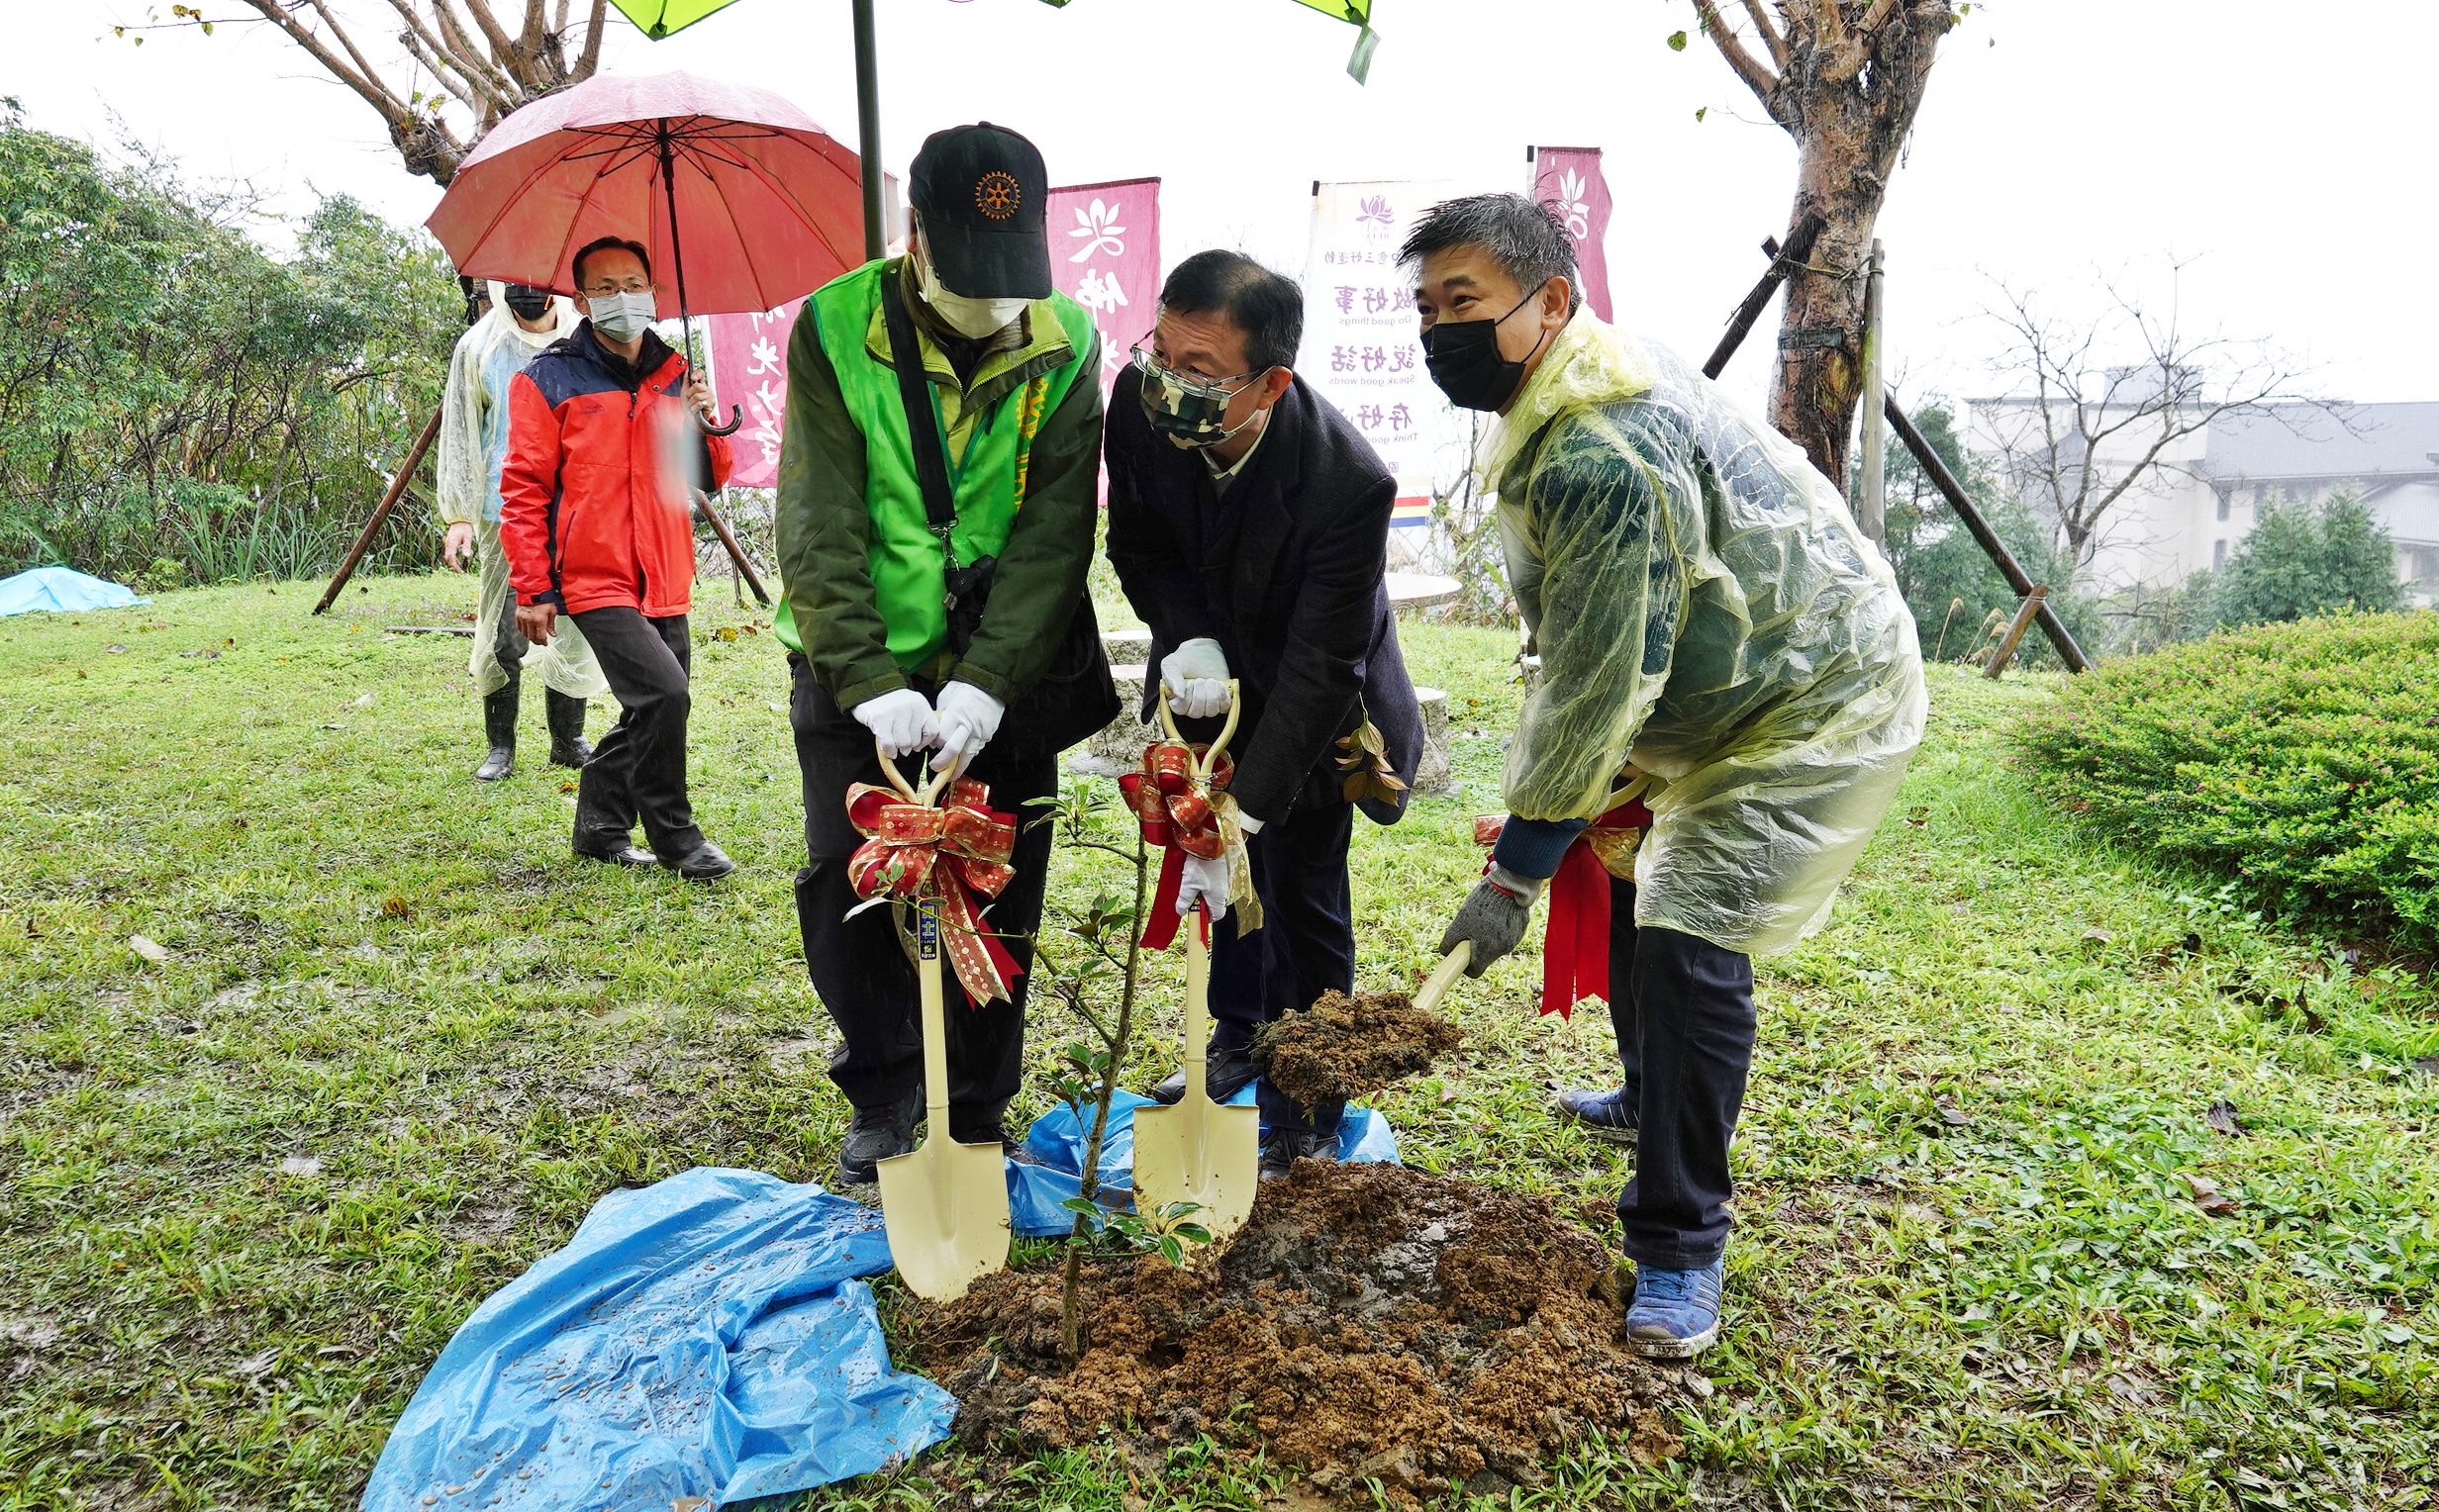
(1199, 1151)
(944, 1203)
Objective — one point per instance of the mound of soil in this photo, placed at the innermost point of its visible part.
(1350, 1047)
(1368, 1322)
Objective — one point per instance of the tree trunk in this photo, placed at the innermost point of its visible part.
(1845, 78)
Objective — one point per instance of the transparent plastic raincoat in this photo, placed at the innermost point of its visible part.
(1707, 610)
(473, 445)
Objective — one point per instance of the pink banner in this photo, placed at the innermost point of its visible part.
(1569, 178)
(749, 367)
(1105, 254)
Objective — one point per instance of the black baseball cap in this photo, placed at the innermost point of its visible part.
(983, 195)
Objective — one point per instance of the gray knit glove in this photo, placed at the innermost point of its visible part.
(1493, 916)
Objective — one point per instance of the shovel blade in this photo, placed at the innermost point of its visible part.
(945, 1208)
(1210, 1155)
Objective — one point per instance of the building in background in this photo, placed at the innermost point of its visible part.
(2203, 492)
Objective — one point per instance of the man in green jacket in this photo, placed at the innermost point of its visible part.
(950, 618)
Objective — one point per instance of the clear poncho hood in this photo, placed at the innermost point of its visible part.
(1707, 610)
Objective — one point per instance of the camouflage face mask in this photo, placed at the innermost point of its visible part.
(1190, 412)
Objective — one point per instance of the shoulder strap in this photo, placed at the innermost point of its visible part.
(922, 423)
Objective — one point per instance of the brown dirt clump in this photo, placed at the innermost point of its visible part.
(1369, 1322)
(1350, 1047)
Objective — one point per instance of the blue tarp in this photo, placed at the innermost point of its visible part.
(700, 1337)
(59, 589)
(1056, 1138)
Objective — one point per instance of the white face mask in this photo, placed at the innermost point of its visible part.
(622, 317)
(972, 318)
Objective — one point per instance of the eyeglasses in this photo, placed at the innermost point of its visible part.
(629, 286)
(1193, 383)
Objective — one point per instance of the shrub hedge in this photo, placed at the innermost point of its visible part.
(2301, 758)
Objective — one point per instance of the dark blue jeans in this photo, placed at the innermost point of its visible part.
(1304, 947)
(1683, 1010)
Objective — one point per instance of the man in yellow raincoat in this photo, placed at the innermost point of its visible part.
(1716, 631)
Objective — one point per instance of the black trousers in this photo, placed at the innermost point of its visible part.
(1683, 1008)
(857, 965)
(638, 769)
(1304, 947)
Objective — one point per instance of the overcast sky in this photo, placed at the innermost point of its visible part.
(2283, 151)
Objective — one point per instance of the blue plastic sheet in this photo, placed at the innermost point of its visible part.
(58, 589)
(701, 1337)
(1056, 1138)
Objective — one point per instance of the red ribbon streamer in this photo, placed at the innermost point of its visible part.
(1575, 943)
(1176, 815)
(949, 853)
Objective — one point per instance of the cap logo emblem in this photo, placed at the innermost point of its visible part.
(997, 195)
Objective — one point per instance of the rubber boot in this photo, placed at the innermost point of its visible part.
(567, 715)
(500, 724)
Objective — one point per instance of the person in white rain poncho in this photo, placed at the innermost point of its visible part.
(473, 443)
(1719, 641)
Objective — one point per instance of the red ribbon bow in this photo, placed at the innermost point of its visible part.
(1175, 813)
(949, 853)
(1575, 943)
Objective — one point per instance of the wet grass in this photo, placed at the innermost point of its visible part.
(398, 1040)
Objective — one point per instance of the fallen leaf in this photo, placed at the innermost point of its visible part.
(258, 1364)
(150, 949)
(1949, 1113)
(1918, 815)
(2427, 1065)
(2223, 1119)
(2191, 944)
(2097, 936)
(300, 1164)
(2209, 1198)
(395, 907)
(114, 650)
(363, 700)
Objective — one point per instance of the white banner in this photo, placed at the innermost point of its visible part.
(1362, 346)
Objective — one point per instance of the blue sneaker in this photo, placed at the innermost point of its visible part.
(1603, 1116)
(1676, 1313)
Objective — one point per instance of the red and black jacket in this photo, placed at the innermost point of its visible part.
(594, 506)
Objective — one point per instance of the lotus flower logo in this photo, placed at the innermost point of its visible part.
(1375, 207)
(1571, 205)
(1098, 229)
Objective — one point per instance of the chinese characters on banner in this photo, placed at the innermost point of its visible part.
(1362, 346)
(1570, 179)
(1105, 254)
(749, 363)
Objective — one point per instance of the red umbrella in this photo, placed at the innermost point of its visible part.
(769, 205)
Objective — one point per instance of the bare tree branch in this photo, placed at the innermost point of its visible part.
(592, 39)
(1769, 33)
(1763, 84)
(374, 93)
(501, 46)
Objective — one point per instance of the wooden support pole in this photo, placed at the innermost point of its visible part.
(2000, 557)
(372, 526)
(1872, 504)
(736, 553)
(2025, 613)
(1783, 262)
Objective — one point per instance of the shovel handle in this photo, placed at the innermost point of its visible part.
(931, 790)
(1198, 1003)
(1437, 983)
(1210, 757)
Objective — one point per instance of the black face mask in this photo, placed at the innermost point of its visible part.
(530, 303)
(1463, 358)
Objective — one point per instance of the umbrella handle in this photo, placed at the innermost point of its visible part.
(736, 423)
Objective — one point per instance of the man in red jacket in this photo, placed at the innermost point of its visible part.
(607, 432)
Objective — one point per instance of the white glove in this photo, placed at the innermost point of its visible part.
(1197, 672)
(902, 721)
(1208, 880)
(969, 717)
(1248, 823)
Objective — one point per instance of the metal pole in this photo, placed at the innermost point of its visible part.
(372, 526)
(1873, 514)
(868, 125)
(1784, 261)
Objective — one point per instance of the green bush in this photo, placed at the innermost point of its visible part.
(2301, 758)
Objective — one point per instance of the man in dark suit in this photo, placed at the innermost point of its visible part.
(1250, 525)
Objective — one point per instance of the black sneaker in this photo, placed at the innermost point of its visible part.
(1225, 1074)
(1010, 1147)
(1283, 1147)
(1604, 1115)
(879, 1133)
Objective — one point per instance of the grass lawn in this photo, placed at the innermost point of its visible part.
(397, 1041)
